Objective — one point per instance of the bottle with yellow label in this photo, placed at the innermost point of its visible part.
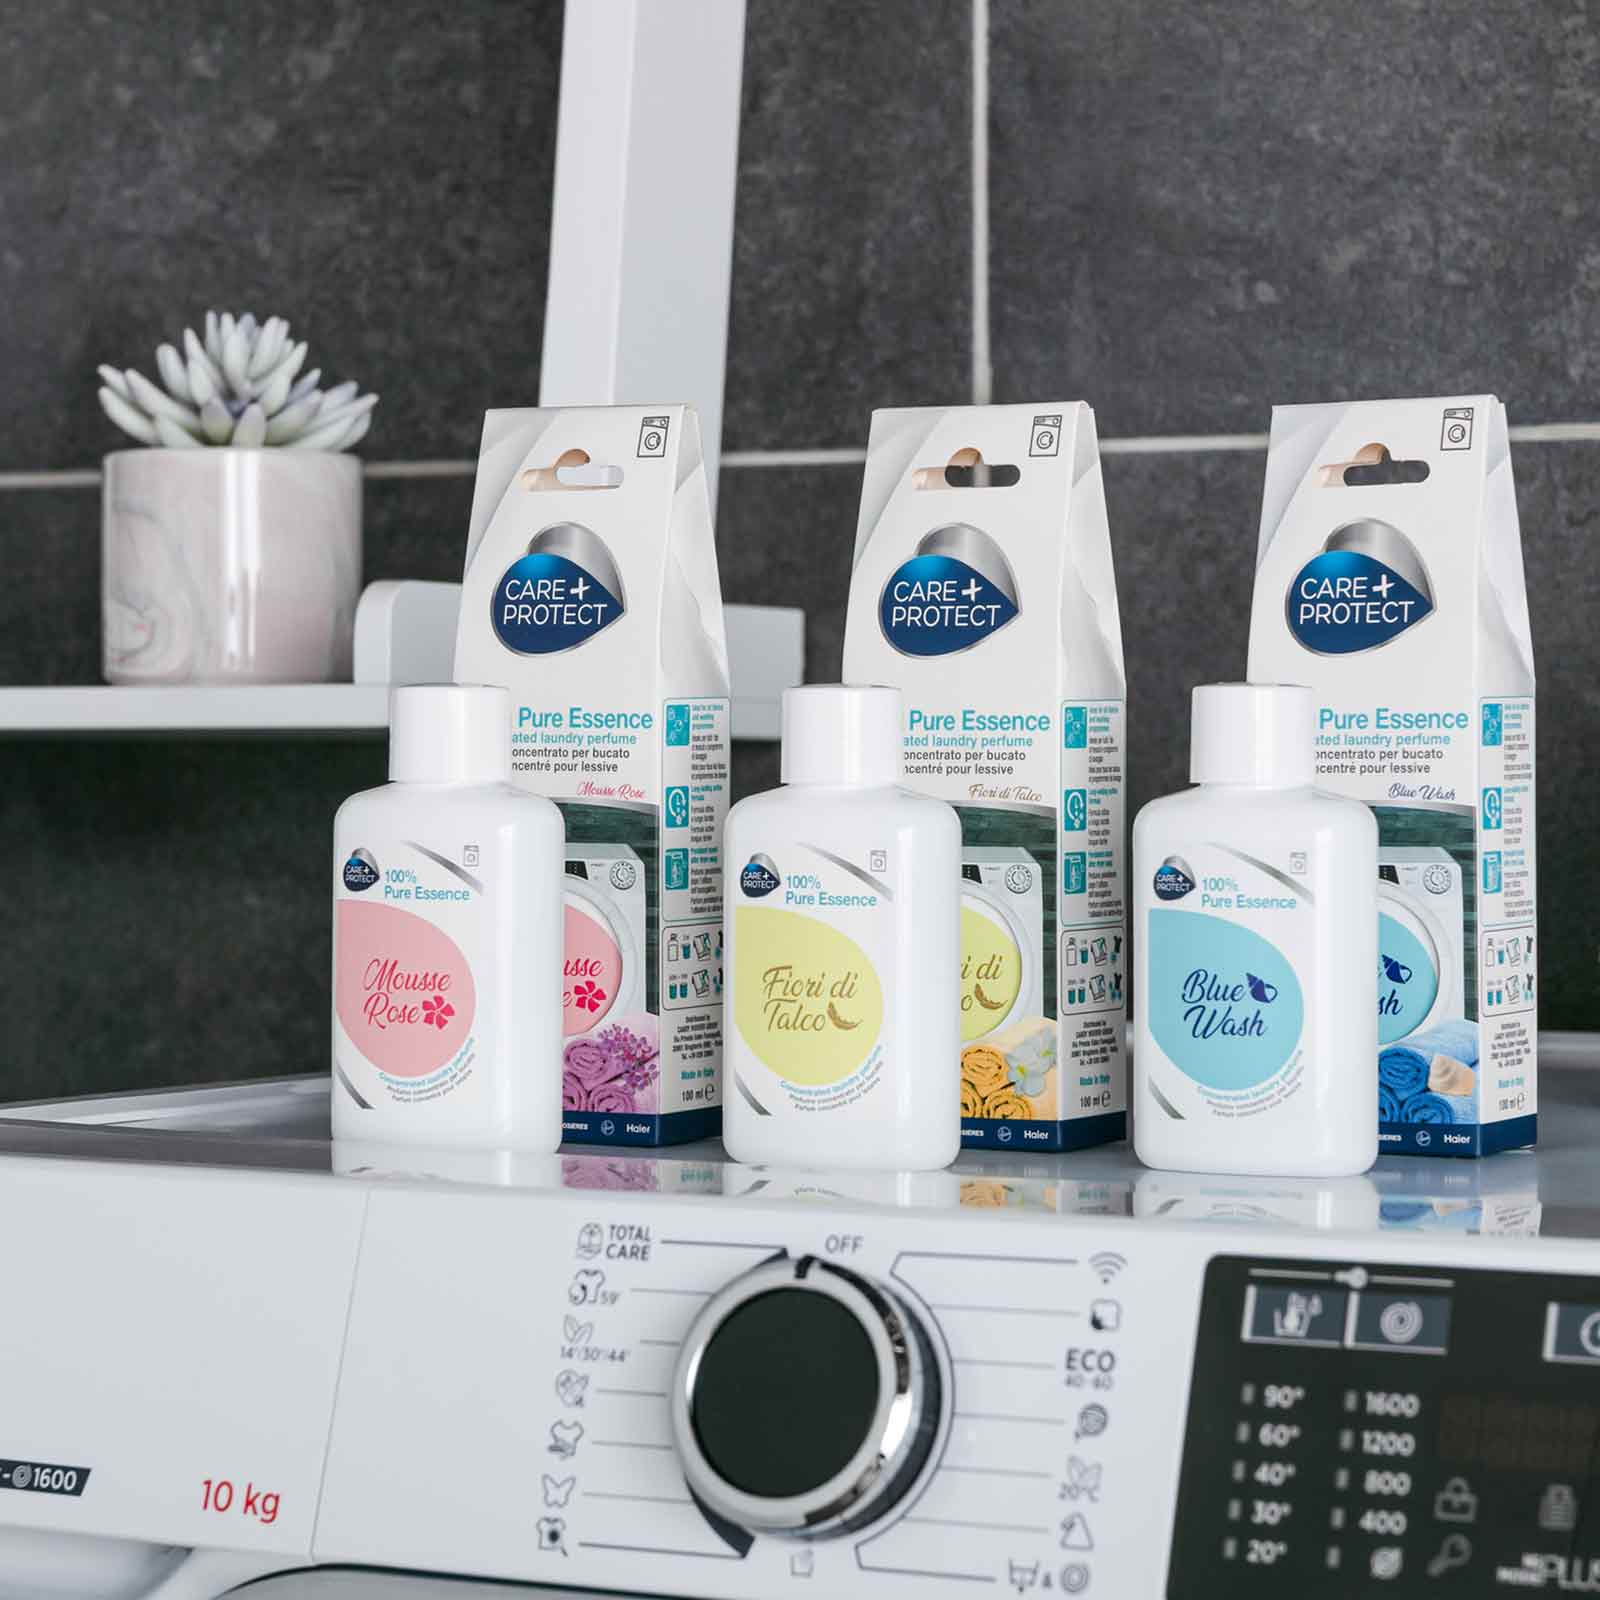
(843, 936)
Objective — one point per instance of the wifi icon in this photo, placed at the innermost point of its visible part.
(1106, 1264)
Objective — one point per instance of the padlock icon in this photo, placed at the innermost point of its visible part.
(1456, 1502)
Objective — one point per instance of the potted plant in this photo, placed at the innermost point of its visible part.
(232, 538)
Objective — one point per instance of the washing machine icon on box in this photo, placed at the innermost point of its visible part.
(1421, 940)
(1002, 939)
(605, 919)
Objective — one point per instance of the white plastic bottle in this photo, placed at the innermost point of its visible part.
(843, 945)
(1255, 1002)
(447, 944)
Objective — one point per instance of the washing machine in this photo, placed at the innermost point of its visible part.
(605, 935)
(240, 1361)
(1002, 939)
(1421, 940)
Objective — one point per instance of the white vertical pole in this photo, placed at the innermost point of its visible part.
(641, 240)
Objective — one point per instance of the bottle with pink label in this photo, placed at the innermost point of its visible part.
(447, 947)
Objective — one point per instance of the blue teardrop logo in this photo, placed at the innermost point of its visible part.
(759, 877)
(1365, 587)
(563, 592)
(1224, 1004)
(955, 592)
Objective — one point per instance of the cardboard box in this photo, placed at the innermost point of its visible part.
(591, 593)
(983, 589)
(1389, 578)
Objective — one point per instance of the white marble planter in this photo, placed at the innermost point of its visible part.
(229, 566)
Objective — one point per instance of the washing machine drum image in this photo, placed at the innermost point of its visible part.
(1002, 941)
(1418, 981)
(604, 940)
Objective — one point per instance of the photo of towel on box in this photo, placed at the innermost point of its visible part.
(1431, 1077)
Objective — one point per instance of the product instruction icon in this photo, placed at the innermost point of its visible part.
(1455, 433)
(653, 436)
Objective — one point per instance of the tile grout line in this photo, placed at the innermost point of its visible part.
(845, 456)
(982, 362)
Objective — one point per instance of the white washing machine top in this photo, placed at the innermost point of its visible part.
(356, 1371)
(1002, 939)
(1421, 940)
(605, 935)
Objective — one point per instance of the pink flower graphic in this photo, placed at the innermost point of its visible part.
(588, 996)
(437, 1012)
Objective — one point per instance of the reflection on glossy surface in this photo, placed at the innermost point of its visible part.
(917, 1190)
(507, 1169)
(1317, 1203)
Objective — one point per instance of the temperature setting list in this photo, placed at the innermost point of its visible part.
(1360, 1428)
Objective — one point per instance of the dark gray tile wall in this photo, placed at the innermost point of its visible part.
(1199, 209)
(851, 273)
(378, 171)
(1195, 211)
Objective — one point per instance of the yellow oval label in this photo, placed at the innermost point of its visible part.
(806, 999)
(991, 972)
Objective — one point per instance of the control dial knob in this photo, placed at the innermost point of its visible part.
(806, 1400)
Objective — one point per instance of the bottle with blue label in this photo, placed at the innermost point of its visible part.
(1255, 1001)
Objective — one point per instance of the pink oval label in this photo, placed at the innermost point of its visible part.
(593, 969)
(402, 988)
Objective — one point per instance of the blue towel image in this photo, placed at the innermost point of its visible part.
(1438, 1109)
(1403, 1076)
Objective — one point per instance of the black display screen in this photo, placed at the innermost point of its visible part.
(1367, 1429)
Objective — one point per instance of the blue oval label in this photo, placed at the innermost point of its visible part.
(955, 592)
(558, 596)
(1224, 1004)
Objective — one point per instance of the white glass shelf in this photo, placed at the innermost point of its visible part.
(288, 709)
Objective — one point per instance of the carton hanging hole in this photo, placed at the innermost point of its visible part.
(1371, 467)
(967, 469)
(573, 470)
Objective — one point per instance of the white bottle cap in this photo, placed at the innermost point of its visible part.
(449, 733)
(842, 733)
(1256, 733)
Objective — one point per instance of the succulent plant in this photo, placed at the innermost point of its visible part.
(240, 385)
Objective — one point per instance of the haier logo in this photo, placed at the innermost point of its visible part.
(759, 877)
(952, 594)
(1365, 587)
(1173, 879)
(560, 595)
(360, 871)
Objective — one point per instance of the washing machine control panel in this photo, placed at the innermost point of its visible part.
(805, 1401)
(1367, 1429)
(652, 1394)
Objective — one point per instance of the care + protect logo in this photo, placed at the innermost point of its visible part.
(559, 595)
(955, 592)
(759, 877)
(1364, 588)
(1174, 879)
(360, 871)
